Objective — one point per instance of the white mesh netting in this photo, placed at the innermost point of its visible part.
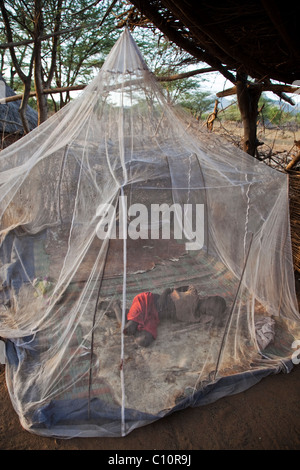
(114, 196)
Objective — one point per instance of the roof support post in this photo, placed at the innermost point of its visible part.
(248, 104)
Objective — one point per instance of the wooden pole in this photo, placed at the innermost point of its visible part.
(167, 78)
(296, 158)
(46, 91)
(248, 105)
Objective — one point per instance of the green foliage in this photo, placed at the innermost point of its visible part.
(197, 102)
(230, 113)
(165, 59)
(270, 112)
(79, 51)
(82, 51)
(275, 113)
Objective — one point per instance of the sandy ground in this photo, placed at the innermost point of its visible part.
(266, 416)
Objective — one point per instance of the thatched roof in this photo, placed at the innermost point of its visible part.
(10, 121)
(259, 38)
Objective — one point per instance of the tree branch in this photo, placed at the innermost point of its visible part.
(178, 76)
(57, 22)
(296, 158)
(11, 122)
(277, 89)
(46, 91)
(294, 162)
(49, 91)
(38, 75)
(11, 43)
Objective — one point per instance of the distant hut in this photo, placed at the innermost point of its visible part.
(11, 128)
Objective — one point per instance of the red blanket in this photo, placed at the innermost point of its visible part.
(144, 312)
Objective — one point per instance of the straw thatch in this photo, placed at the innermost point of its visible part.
(258, 37)
(294, 180)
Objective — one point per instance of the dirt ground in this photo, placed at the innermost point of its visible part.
(266, 417)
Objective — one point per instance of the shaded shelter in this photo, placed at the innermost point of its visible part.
(252, 44)
(115, 195)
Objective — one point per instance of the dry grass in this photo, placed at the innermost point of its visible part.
(278, 142)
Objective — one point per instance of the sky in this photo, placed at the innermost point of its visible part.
(215, 82)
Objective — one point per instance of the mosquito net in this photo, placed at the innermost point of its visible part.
(146, 265)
